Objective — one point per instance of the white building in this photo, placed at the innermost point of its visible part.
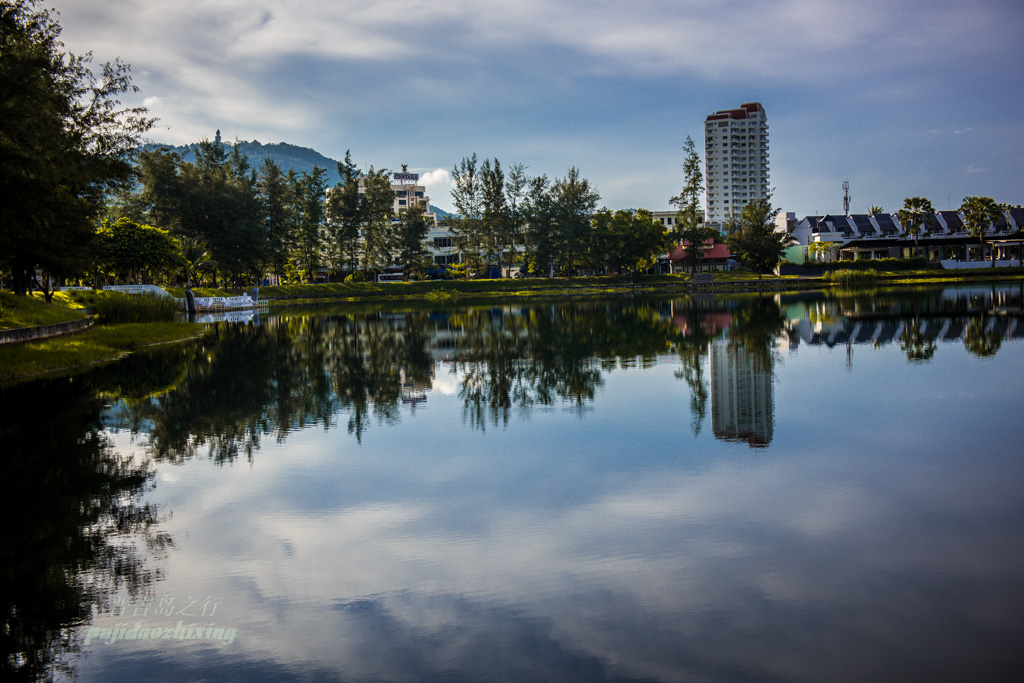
(736, 160)
(668, 219)
(409, 193)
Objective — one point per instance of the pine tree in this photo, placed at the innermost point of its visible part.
(690, 228)
(64, 145)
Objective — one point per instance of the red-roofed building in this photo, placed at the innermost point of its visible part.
(714, 256)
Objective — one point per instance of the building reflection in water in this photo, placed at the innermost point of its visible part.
(742, 398)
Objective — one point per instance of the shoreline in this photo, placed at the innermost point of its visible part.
(76, 352)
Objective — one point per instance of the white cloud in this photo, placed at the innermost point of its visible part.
(438, 184)
(597, 84)
(596, 37)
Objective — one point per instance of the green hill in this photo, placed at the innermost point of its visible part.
(283, 154)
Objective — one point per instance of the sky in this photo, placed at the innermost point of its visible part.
(902, 98)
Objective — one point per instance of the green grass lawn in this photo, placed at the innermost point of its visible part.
(25, 311)
(98, 344)
(744, 275)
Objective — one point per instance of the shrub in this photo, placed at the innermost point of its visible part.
(456, 271)
(134, 308)
(851, 277)
(441, 296)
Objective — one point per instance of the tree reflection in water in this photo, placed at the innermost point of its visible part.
(72, 519)
(247, 383)
(916, 343)
(517, 358)
(982, 338)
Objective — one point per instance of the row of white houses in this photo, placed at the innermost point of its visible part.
(945, 239)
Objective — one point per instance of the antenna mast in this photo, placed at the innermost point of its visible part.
(846, 197)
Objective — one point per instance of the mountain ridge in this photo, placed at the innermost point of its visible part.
(284, 154)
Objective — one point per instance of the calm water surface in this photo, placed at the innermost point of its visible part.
(793, 488)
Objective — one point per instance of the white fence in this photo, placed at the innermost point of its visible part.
(226, 303)
(138, 289)
(949, 264)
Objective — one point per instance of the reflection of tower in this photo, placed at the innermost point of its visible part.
(742, 402)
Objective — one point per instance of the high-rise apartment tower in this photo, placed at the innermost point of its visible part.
(736, 160)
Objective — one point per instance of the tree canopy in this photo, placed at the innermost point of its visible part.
(979, 213)
(914, 216)
(753, 239)
(130, 248)
(65, 142)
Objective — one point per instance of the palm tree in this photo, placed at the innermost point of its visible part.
(914, 216)
(195, 257)
(979, 213)
(875, 209)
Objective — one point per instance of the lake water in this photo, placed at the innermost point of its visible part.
(798, 487)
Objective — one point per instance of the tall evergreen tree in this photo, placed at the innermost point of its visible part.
(467, 198)
(517, 185)
(220, 205)
(541, 238)
(753, 238)
(495, 218)
(345, 217)
(160, 187)
(378, 217)
(690, 228)
(64, 144)
(308, 251)
(276, 195)
(413, 227)
(574, 202)
(250, 249)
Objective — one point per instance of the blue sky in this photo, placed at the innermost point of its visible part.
(901, 97)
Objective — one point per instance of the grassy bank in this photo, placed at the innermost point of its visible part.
(98, 344)
(954, 276)
(433, 290)
(421, 288)
(24, 311)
